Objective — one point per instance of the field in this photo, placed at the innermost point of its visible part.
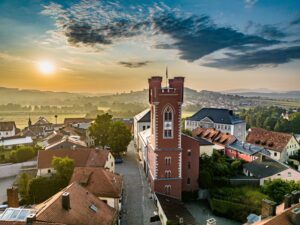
(21, 118)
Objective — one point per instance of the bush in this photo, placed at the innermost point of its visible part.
(41, 188)
(236, 202)
(22, 154)
(205, 179)
(276, 189)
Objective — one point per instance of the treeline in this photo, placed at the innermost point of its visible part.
(270, 118)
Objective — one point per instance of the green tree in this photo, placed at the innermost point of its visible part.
(22, 154)
(119, 137)
(205, 179)
(187, 132)
(100, 129)
(23, 185)
(64, 169)
(276, 189)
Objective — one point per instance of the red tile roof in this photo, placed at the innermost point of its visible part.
(214, 136)
(83, 157)
(99, 181)
(272, 140)
(85, 208)
(282, 219)
(7, 126)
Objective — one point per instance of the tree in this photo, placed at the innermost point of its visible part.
(187, 132)
(119, 137)
(64, 169)
(22, 154)
(100, 129)
(276, 189)
(23, 185)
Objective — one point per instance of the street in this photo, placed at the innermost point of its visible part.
(137, 207)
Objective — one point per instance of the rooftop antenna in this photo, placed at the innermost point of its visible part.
(167, 76)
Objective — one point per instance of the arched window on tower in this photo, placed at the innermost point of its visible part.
(168, 122)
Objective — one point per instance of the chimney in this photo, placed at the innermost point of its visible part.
(287, 201)
(295, 216)
(268, 208)
(30, 219)
(13, 197)
(211, 221)
(65, 200)
(295, 197)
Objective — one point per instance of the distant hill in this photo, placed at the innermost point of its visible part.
(273, 95)
(193, 99)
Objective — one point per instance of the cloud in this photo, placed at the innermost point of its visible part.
(295, 21)
(197, 36)
(250, 3)
(104, 24)
(134, 64)
(253, 59)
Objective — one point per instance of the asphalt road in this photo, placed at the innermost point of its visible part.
(137, 206)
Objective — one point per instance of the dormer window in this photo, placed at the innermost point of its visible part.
(168, 122)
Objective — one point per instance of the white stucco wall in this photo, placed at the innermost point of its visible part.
(208, 150)
(110, 163)
(288, 174)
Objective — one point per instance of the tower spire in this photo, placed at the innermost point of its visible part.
(167, 76)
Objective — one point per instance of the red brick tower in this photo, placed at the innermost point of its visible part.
(164, 153)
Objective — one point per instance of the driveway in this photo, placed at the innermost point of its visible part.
(137, 206)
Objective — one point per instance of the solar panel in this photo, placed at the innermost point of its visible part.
(15, 214)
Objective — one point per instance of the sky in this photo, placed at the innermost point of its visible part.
(105, 46)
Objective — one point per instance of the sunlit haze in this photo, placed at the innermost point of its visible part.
(114, 46)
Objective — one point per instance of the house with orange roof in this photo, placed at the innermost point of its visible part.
(83, 157)
(280, 145)
(106, 185)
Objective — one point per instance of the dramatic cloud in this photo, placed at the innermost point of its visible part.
(253, 59)
(103, 23)
(196, 36)
(134, 64)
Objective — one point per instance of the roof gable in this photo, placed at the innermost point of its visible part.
(80, 212)
(272, 140)
(7, 126)
(223, 116)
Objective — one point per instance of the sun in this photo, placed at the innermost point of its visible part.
(46, 67)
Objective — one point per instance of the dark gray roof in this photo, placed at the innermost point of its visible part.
(224, 116)
(174, 209)
(202, 141)
(247, 148)
(143, 116)
(265, 167)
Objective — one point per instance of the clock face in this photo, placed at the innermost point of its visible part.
(168, 125)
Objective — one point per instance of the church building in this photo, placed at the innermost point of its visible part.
(171, 159)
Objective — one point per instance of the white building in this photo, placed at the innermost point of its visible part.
(223, 120)
(141, 122)
(14, 141)
(7, 129)
(265, 168)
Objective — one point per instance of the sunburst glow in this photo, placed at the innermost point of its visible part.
(46, 67)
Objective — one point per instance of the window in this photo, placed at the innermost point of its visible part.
(189, 165)
(49, 171)
(188, 181)
(167, 189)
(275, 153)
(168, 122)
(144, 127)
(168, 173)
(168, 160)
(289, 174)
(93, 208)
(189, 152)
(148, 127)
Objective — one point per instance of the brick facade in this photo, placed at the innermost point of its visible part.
(168, 148)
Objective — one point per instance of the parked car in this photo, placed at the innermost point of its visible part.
(118, 160)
